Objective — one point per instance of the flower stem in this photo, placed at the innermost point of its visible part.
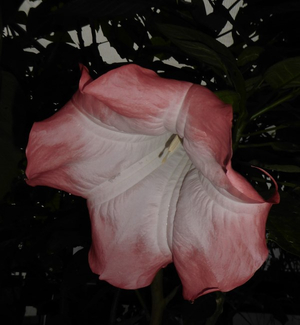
(220, 299)
(158, 300)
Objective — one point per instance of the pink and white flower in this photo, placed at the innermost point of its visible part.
(153, 201)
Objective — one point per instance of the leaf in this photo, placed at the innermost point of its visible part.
(21, 17)
(280, 168)
(284, 222)
(51, 16)
(285, 146)
(249, 54)
(278, 146)
(229, 97)
(118, 37)
(159, 44)
(208, 51)
(197, 44)
(284, 74)
(8, 10)
(252, 83)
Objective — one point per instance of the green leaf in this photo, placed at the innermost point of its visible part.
(284, 222)
(249, 54)
(252, 83)
(63, 15)
(278, 146)
(197, 44)
(280, 168)
(209, 51)
(284, 74)
(21, 17)
(285, 146)
(200, 45)
(159, 44)
(230, 97)
(118, 38)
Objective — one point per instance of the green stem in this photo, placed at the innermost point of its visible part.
(242, 123)
(239, 129)
(256, 145)
(220, 299)
(158, 300)
(279, 101)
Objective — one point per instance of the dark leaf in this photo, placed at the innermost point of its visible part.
(198, 45)
(280, 168)
(9, 9)
(252, 83)
(230, 97)
(208, 51)
(51, 16)
(284, 74)
(276, 145)
(249, 54)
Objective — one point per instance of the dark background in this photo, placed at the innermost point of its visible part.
(45, 233)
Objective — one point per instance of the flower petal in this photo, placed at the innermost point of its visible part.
(137, 100)
(85, 143)
(132, 233)
(221, 241)
(74, 152)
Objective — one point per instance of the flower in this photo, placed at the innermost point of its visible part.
(154, 198)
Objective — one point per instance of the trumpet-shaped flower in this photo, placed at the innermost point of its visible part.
(153, 197)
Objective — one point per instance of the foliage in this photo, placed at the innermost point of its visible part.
(259, 74)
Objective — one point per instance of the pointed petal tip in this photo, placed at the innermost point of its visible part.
(85, 78)
(275, 198)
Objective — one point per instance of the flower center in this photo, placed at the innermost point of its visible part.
(172, 144)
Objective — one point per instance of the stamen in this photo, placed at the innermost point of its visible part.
(172, 145)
